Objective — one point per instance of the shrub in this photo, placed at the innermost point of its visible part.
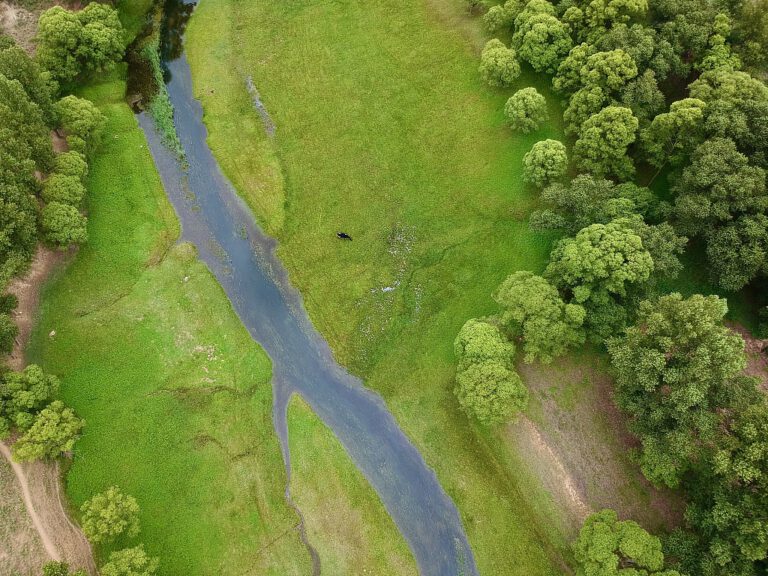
(498, 64)
(63, 224)
(64, 189)
(545, 162)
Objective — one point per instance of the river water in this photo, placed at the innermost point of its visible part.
(242, 258)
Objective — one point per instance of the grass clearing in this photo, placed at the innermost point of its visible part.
(174, 391)
(345, 520)
(385, 131)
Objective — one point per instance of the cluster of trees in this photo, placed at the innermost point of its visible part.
(126, 562)
(650, 89)
(610, 60)
(46, 427)
(69, 44)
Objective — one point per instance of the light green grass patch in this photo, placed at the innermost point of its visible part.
(174, 391)
(344, 518)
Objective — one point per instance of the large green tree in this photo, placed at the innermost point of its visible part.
(545, 162)
(607, 546)
(676, 367)
(130, 562)
(498, 64)
(602, 146)
(54, 432)
(110, 514)
(72, 43)
(533, 311)
(23, 394)
(525, 110)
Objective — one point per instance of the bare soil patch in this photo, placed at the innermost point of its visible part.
(39, 484)
(21, 550)
(575, 444)
(27, 290)
(19, 23)
(757, 354)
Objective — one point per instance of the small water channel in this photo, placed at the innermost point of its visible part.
(215, 219)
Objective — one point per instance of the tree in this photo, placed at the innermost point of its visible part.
(568, 78)
(608, 547)
(71, 163)
(53, 433)
(546, 161)
(15, 64)
(490, 392)
(534, 311)
(736, 108)
(597, 267)
(718, 186)
(587, 200)
(130, 562)
(648, 49)
(602, 147)
(64, 189)
(63, 224)
(675, 368)
(609, 70)
(603, 14)
(479, 342)
(738, 252)
(672, 136)
(109, 514)
(72, 43)
(498, 64)
(487, 387)
(643, 97)
(584, 104)
(525, 110)
(81, 119)
(499, 17)
(23, 394)
(541, 39)
(719, 55)
(24, 119)
(687, 26)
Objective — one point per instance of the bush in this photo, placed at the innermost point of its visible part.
(130, 562)
(526, 110)
(8, 333)
(498, 64)
(64, 189)
(82, 121)
(63, 224)
(53, 433)
(490, 392)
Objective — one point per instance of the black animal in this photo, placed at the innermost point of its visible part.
(343, 236)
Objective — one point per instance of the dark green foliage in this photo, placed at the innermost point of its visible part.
(8, 333)
(672, 136)
(643, 97)
(15, 64)
(647, 48)
(24, 119)
(18, 227)
(737, 108)
(584, 104)
(72, 43)
(587, 200)
(675, 368)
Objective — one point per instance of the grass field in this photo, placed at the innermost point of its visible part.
(385, 131)
(175, 393)
(345, 520)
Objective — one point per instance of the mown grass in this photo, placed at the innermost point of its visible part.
(385, 131)
(344, 518)
(174, 391)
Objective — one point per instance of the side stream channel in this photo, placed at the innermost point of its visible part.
(216, 220)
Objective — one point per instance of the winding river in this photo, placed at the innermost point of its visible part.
(242, 257)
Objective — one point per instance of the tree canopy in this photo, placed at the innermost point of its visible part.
(110, 514)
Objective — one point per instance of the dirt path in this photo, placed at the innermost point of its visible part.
(40, 490)
(27, 290)
(45, 538)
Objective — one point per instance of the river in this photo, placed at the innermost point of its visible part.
(242, 258)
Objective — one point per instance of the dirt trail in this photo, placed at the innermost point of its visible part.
(50, 548)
